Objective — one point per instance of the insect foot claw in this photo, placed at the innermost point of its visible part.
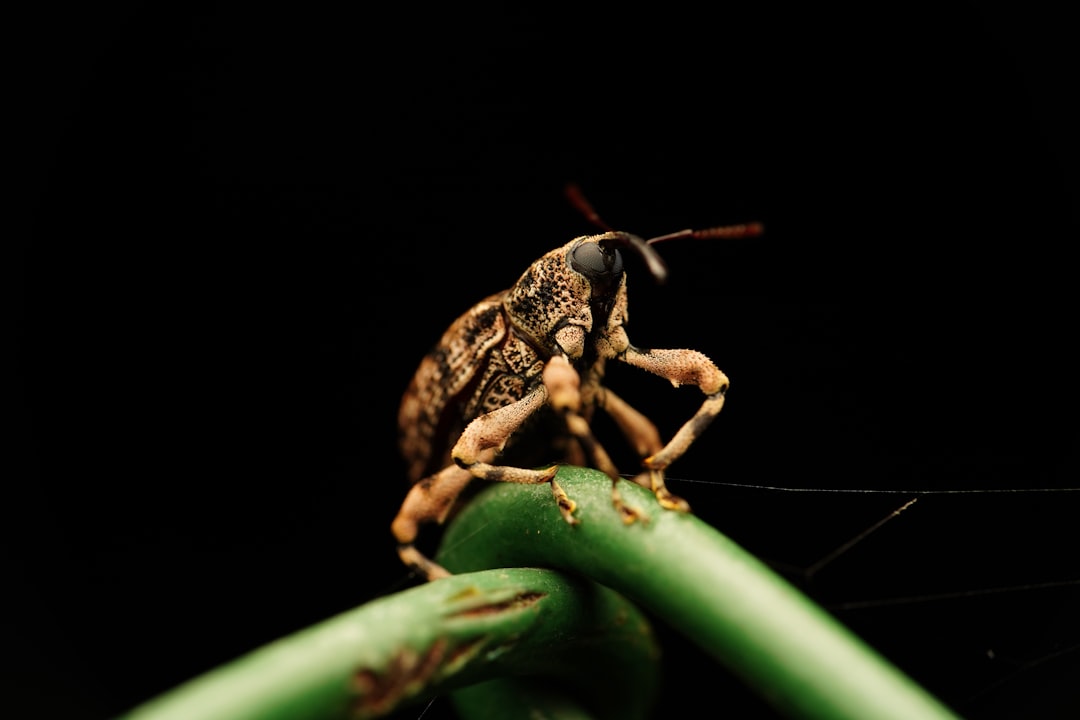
(629, 514)
(566, 505)
(672, 502)
(655, 482)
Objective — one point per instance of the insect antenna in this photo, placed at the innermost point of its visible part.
(721, 232)
(577, 199)
(642, 247)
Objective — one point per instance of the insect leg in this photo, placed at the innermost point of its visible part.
(643, 437)
(638, 429)
(490, 432)
(429, 500)
(680, 367)
(563, 384)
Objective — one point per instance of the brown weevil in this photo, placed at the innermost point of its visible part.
(515, 381)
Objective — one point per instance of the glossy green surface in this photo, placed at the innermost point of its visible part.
(584, 639)
(686, 573)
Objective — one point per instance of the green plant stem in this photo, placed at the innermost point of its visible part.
(589, 643)
(796, 655)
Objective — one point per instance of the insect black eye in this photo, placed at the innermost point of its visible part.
(593, 260)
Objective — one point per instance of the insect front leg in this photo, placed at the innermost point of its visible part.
(431, 499)
(680, 367)
(486, 436)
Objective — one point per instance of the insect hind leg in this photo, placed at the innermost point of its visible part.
(429, 500)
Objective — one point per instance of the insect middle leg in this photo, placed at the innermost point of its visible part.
(564, 390)
(645, 439)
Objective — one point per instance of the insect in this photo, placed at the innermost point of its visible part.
(515, 381)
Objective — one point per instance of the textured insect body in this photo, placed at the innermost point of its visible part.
(517, 378)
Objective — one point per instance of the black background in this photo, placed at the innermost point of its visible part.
(247, 226)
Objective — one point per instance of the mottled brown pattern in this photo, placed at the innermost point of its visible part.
(548, 294)
(487, 388)
(378, 691)
(428, 424)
